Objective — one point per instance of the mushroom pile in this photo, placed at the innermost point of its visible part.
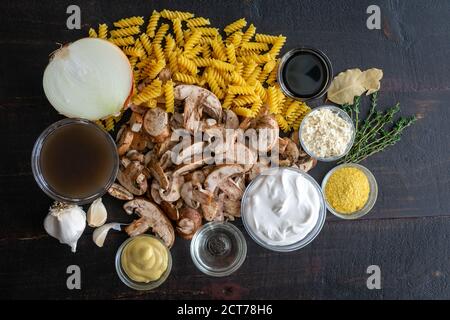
(172, 189)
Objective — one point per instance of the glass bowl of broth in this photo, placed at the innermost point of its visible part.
(74, 161)
(304, 73)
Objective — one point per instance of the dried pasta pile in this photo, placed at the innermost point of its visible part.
(174, 47)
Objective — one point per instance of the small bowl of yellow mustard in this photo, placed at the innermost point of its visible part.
(350, 191)
(143, 262)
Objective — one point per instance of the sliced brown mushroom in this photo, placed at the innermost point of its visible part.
(282, 144)
(205, 198)
(216, 137)
(156, 124)
(189, 152)
(165, 75)
(151, 217)
(196, 100)
(176, 121)
(241, 155)
(186, 168)
(119, 192)
(192, 115)
(136, 122)
(138, 227)
(172, 193)
(221, 173)
(295, 137)
(162, 147)
(204, 98)
(139, 142)
(170, 209)
(190, 221)
(210, 211)
(158, 173)
(257, 169)
(125, 140)
(231, 120)
(138, 108)
(306, 164)
(264, 121)
(196, 177)
(133, 179)
(232, 190)
(154, 192)
(291, 152)
(134, 155)
(232, 208)
(188, 196)
(165, 161)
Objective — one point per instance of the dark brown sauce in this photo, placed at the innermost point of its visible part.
(305, 75)
(76, 160)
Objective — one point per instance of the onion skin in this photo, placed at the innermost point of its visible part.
(90, 78)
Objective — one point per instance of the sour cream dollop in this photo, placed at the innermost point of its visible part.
(282, 207)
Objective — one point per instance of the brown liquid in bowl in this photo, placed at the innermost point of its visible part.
(76, 160)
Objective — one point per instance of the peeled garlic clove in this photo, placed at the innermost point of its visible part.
(65, 222)
(97, 214)
(100, 233)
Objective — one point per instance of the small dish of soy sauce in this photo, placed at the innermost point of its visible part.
(305, 73)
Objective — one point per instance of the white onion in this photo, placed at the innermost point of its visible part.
(89, 78)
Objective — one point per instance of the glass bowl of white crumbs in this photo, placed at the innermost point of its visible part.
(327, 133)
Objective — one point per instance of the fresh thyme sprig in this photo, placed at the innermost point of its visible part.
(371, 135)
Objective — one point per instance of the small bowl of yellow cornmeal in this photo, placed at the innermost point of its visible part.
(350, 191)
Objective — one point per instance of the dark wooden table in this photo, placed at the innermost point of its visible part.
(406, 234)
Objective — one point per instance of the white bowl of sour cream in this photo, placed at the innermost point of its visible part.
(283, 209)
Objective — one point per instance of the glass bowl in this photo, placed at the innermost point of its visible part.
(344, 116)
(218, 249)
(142, 286)
(325, 61)
(299, 244)
(373, 194)
(37, 170)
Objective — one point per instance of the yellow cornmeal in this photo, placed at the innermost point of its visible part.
(347, 190)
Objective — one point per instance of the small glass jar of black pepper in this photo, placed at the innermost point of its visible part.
(218, 249)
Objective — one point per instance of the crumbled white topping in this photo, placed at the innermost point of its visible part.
(326, 134)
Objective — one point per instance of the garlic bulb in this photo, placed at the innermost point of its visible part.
(96, 215)
(100, 233)
(65, 222)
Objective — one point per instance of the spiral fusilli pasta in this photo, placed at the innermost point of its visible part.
(178, 31)
(125, 32)
(102, 31)
(187, 64)
(92, 33)
(235, 26)
(197, 22)
(169, 96)
(168, 14)
(122, 42)
(129, 22)
(185, 78)
(153, 69)
(152, 24)
(266, 38)
(133, 51)
(153, 90)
